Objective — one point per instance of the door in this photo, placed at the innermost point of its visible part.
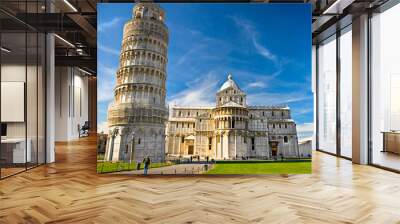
(190, 149)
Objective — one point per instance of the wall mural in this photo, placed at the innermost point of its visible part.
(204, 89)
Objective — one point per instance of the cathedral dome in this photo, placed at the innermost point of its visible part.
(229, 83)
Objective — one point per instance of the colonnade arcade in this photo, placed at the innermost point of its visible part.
(143, 57)
(139, 42)
(123, 114)
(141, 75)
(139, 94)
(135, 27)
(231, 118)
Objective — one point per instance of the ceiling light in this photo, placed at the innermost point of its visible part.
(64, 40)
(5, 50)
(338, 6)
(84, 71)
(70, 5)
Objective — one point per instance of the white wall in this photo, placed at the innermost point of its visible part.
(71, 102)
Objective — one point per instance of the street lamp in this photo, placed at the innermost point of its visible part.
(132, 147)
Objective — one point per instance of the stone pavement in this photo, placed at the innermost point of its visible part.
(191, 168)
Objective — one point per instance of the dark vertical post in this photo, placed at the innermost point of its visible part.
(317, 97)
(338, 77)
(26, 85)
(369, 97)
(37, 88)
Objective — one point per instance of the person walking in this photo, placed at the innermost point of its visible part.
(146, 162)
(138, 163)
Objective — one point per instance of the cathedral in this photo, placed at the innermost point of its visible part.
(232, 129)
(138, 121)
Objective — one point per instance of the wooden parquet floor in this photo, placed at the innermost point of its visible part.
(69, 191)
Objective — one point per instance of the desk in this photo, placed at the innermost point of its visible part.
(13, 150)
(391, 141)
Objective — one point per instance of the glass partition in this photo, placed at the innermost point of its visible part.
(22, 88)
(31, 97)
(41, 96)
(13, 95)
(346, 92)
(385, 88)
(327, 95)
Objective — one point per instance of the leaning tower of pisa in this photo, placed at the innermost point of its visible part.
(137, 116)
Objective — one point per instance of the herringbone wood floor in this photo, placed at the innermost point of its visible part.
(70, 191)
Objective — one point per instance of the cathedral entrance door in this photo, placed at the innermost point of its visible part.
(190, 149)
(274, 147)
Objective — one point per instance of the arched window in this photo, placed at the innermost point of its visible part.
(285, 139)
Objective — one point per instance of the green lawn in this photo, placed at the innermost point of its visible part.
(100, 156)
(262, 168)
(108, 167)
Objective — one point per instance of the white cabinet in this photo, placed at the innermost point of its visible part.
(18, 149)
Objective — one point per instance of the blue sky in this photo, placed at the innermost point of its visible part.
(266, 47)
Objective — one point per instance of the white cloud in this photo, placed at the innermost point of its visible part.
(188, 54)
(266, 98)
(105, 88)
(255, 80)
(305, 130)
(199, 92)
(203, 49)
(264, 51)
(102, 127)
(108, 50)
(257, 84)
(251, 33)
(110, 24)
(305, 127)
(302, 111)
